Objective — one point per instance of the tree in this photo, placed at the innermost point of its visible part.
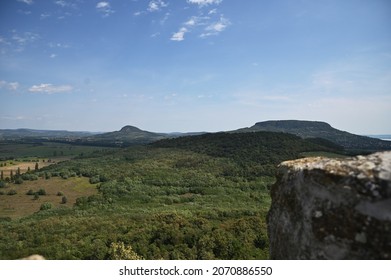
(120, 251)
(64, 200)
(12, 175)
(18, 172)
(36, 166)
(2, 175)
(46, 206)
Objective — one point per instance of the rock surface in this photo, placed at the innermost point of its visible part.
(332, 209)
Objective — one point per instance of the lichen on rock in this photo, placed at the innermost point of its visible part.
(332, 208)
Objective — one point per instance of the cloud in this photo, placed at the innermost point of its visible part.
(28, 2)
(45, 15)
(9, 85)
(138, 13)
(17, 42)
(197, 20)
(61, 3)
(156, 5)
(212, 12)
(202, 3)
(216, 27)
(104, 8)
(50, 89)
(66, 4)
(180, 35)
(26, 37)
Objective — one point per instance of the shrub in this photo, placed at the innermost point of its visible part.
(60, 194)
(2, 184)
(30, 177)
(36, 196)
(18, 180)
(12, 192)
(30, 192)
(46, 206)
(41, 192)
(64, 200)
(94, 180)
(2, 193)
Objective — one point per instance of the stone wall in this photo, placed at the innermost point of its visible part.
(332, 209)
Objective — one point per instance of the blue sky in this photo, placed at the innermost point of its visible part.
(194, 65)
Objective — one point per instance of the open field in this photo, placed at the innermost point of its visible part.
(21, 204)
(25, 165)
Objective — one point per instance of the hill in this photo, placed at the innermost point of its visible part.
(128, 135)
(26, 134)
(316, 129)
(263, 148)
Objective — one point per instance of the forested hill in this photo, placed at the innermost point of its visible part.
(311, 129)
(128, 135)
(262, 147)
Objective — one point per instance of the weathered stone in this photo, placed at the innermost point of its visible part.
(34, 257)
(332, 209)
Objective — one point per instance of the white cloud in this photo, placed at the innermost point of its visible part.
(26, 37)
(28, 2)
(66, 4)
(53, 55)
(204, 2)
(19, 41)
(165, 18)
(103, 5)
(180, 35)
(212, 12)
(45, 15)
(197, 20)
(216, 27)
(104, 8)
(156, 5)
(50, 89)
(9, 85)
(61, 3)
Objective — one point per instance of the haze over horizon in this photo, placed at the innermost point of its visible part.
(194, 65)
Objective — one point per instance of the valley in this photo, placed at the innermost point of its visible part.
(199, 196)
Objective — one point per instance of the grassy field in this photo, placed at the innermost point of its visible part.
(26, 164)
(21, 204)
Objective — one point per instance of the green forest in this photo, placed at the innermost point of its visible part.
(193, 197)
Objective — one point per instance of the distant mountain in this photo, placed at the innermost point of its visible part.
(321, 133)
(26, 134)
(128, 135)
(316, 129)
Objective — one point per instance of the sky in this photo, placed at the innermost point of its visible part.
(194, 65)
